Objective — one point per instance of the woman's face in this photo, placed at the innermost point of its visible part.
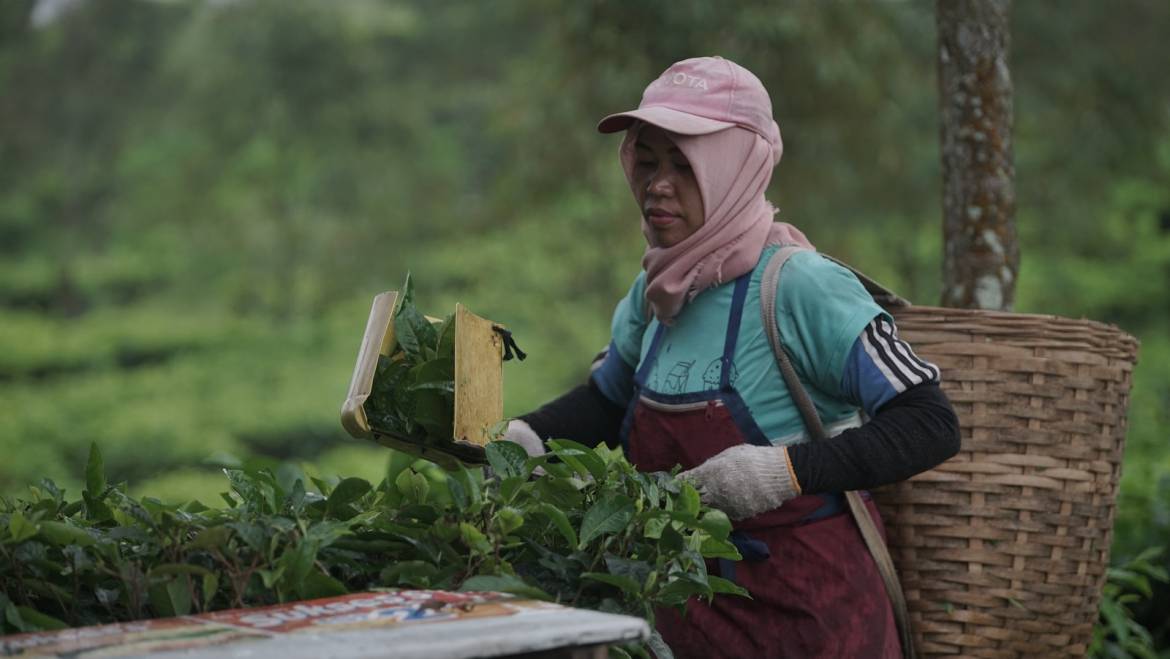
(666, 190)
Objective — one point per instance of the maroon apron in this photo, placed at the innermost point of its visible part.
(816, 592)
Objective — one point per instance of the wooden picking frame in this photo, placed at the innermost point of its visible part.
(479, 400)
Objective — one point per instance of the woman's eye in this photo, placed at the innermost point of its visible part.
(686, 166)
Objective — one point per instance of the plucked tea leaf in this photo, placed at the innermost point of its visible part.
(415, 333)
(446, 342)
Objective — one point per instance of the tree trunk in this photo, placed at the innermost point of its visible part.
(981, 252)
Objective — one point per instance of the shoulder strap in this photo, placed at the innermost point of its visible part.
(812, 421)
(886, 298)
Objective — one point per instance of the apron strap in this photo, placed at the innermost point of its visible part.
(869, 533)
(649, 359)
(733, 322)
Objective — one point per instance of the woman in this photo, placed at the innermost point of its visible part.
(690, 378)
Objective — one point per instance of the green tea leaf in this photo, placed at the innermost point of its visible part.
(210, 588)
(347, 491)
(472, 482)
(63, 533)
(716, 523)
(609, 515)
(1117, 618)
(560, 521)
(317, 584)
(413, 486)
(626, 584)
(419, 574)
(580, 457)
(507, 459)
(446, 342)
(508, 519)
(40, 621)
(20, 528)
(723, 586)
(415, 333)
(716, 548)
(297, 562)
(504, 584)
(688, 500)
(95, 474)
(638, 570)
(434, 410)
(658, 646)
(171, 597)
(655, 526)
(474, 538)
(408, 289)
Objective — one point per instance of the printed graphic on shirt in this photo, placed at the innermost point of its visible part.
(714, 373)
(677, 377)
(894, 358)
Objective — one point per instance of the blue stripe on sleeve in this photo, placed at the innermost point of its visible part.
(863, 382)
(615, 378)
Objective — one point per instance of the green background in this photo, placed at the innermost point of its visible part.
(198, 200)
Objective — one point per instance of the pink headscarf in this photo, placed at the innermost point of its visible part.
(733, 168)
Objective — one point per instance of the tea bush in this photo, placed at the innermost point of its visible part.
(590, 532)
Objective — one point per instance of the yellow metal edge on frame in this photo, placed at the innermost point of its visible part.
(377, 340)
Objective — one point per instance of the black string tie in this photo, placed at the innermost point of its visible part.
(510, 346)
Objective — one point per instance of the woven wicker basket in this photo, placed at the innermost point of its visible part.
(1002, 550)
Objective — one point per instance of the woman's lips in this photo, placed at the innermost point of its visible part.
(661, 219)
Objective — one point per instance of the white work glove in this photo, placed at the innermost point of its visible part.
(745, 480)
(520, 432)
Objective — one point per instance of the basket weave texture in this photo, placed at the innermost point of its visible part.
(1002, 550)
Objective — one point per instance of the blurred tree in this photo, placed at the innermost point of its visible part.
(981, 256)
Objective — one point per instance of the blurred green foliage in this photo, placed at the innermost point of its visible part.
(199, 199)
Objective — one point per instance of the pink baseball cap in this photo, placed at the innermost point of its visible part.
(704, 95)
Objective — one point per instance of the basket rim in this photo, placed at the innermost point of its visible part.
(1014, 316)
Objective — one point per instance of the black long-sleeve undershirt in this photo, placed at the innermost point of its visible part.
(583, 415)
(914, 431)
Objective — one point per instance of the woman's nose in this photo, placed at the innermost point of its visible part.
(661, 183)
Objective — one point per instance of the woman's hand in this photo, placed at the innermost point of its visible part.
(745, 480)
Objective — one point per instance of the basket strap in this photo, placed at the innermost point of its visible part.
(886, 298)
(812, 421)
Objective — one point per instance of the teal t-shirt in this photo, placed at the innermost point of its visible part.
(821, 309)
